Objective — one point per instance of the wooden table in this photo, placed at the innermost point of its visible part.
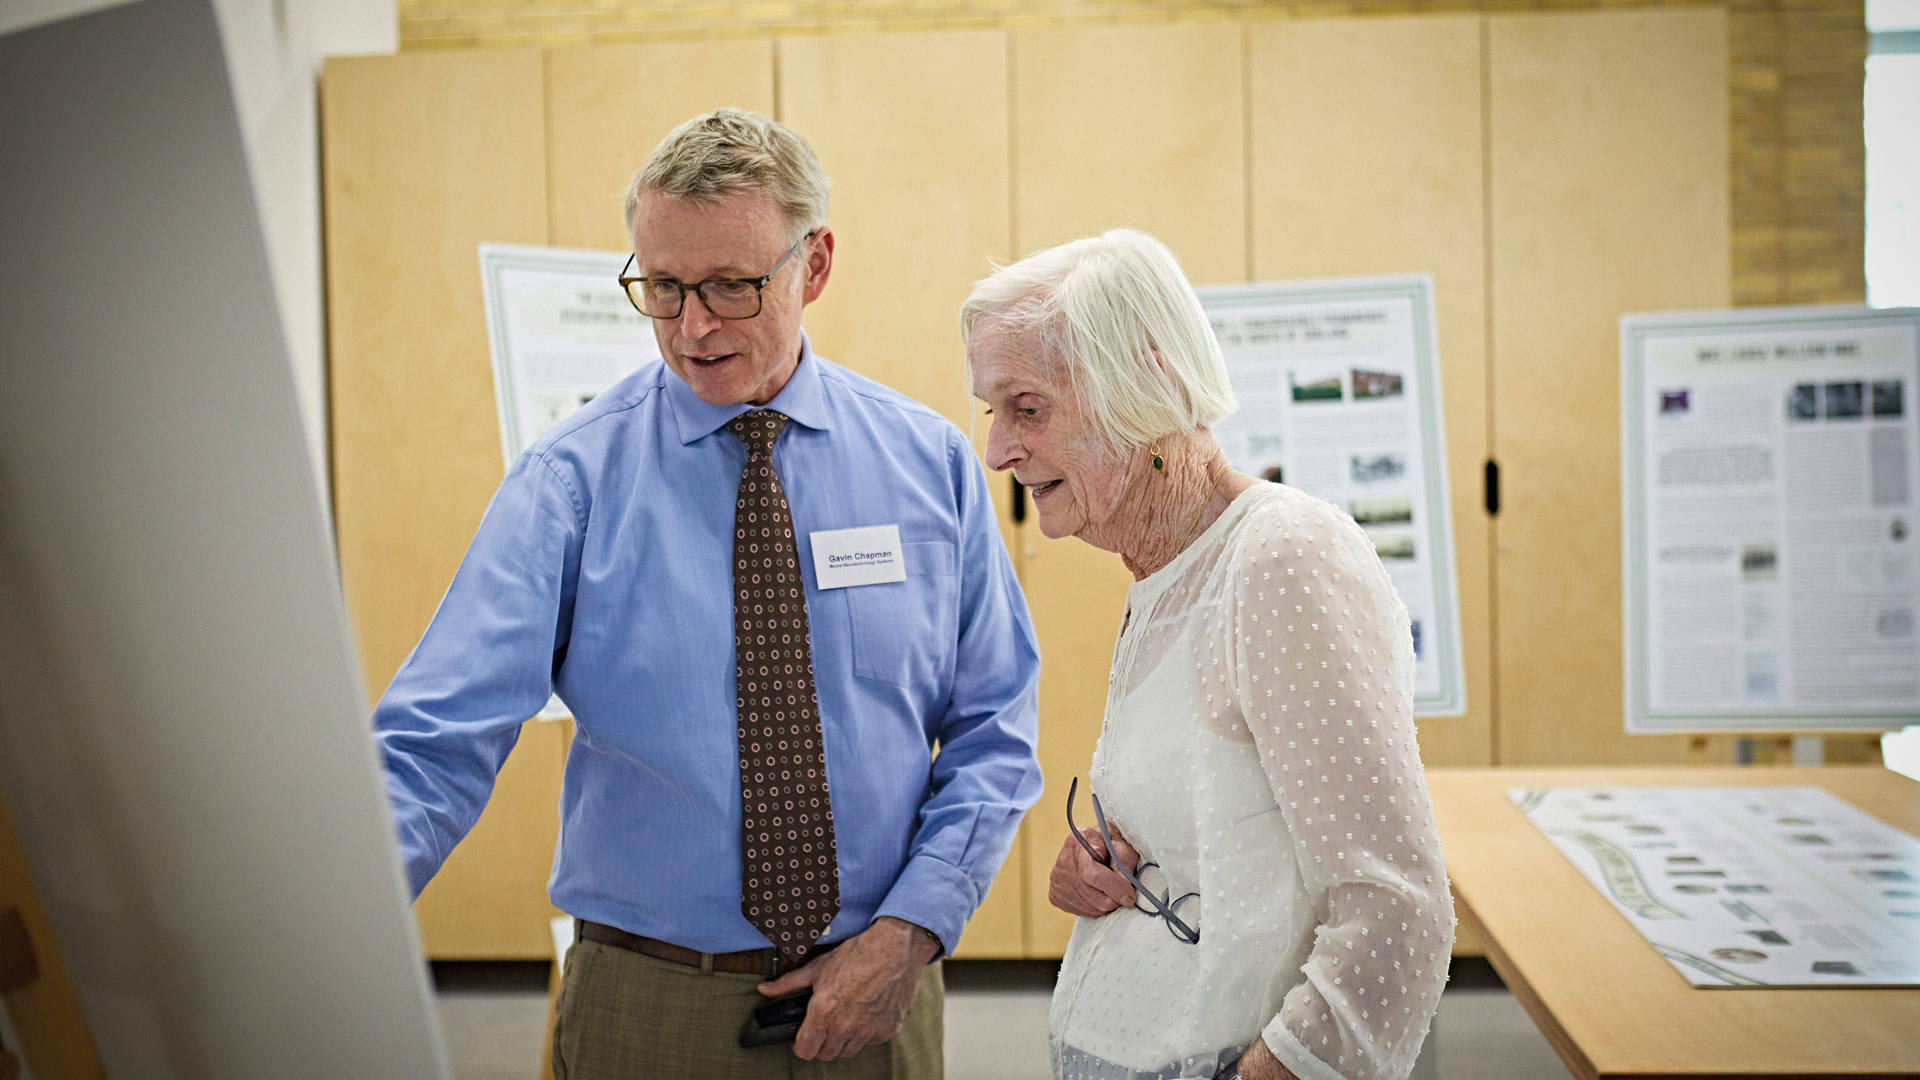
(1609, 1004)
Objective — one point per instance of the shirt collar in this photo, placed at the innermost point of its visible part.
(802, 400)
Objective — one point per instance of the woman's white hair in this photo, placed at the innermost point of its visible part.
(730, 151)
(1119, 312)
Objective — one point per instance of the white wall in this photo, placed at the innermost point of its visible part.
(274, 51)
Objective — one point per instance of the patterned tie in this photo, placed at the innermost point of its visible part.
(790, 885)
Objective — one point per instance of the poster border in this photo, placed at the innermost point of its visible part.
(1640, 718)
(1451, 700)
(494, 260)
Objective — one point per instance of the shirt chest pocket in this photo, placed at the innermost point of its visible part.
(904, 632)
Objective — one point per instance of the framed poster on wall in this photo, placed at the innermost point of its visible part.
(560, 331)
(1769, 462)
(1339, 394)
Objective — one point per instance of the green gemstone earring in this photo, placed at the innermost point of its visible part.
(1158, 461)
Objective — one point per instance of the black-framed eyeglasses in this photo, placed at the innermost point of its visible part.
(1163, 905)
(726, 298)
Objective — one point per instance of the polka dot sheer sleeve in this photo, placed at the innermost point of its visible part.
(1325, 672)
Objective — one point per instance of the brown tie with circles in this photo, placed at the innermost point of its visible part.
(790, 883)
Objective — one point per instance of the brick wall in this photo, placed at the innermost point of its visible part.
(1798, 157)
(1798, 160)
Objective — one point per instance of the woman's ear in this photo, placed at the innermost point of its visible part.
(1166, 372)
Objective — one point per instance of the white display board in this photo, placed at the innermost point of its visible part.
(1751, 886)
(560, 330)
(185, 750)
(1770, 461)
(1339, 394)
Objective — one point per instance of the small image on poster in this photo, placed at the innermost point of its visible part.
(1339, 397)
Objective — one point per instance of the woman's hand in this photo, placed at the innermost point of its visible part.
(1081, 886)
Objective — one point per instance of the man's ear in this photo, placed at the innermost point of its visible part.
(819, 265)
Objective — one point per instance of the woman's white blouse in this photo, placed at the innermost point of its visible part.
(1259, 747)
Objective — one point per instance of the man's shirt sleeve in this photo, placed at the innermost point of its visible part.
(986, 775)
(485, 664)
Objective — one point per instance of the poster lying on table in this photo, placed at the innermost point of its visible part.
(1339, 394)
(1752, 886)
(561, 331)
(1770, 483)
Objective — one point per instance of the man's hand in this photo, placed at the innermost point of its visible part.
(861, 990)
(1081, 886)
(1258, 1063)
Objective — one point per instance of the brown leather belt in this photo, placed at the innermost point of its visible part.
(746, 962)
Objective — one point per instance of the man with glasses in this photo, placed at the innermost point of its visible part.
(767, 588)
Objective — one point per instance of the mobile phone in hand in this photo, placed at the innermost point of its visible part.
(777, 1021)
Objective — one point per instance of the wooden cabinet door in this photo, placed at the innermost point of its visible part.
(1608, 163)
(1113, 126)
(1367, 159)
(912, 129)
(608, 106)
(428, 155)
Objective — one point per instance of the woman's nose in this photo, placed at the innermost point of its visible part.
(1002, 452)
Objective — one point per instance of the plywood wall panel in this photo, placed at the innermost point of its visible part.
(913, 130)
(1367, 159)
(1142, 127)
(1609, 195)
(1135, 126)
(608, 106)
(427, 156)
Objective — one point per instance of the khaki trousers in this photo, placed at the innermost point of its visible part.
(624, 1016)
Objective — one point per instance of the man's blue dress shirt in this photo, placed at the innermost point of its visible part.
(603, 571)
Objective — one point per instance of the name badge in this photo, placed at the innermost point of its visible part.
(869, 556)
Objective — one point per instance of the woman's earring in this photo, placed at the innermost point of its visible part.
(1158, 461)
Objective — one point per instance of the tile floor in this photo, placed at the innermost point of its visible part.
(494, 1015)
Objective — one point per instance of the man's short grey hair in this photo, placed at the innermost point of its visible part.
(730, 151)
(1106, 306)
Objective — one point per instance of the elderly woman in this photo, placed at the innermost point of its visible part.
(1257, 766)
